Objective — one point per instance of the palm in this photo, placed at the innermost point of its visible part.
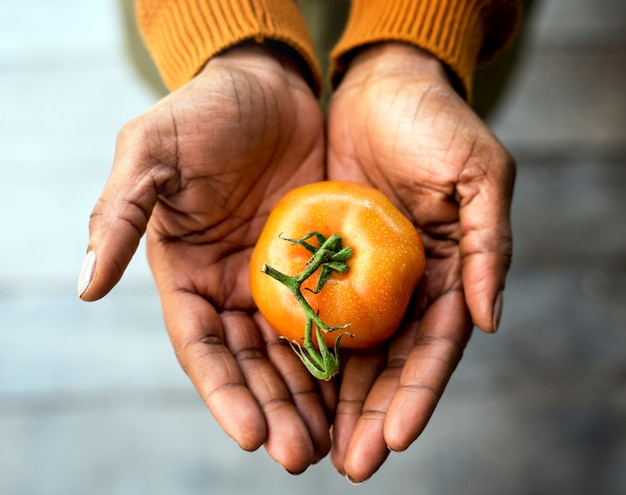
(412, 137)
(240, 138)
(401, 137)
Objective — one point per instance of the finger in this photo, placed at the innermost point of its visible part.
(302, 387)
(441, 338)
(367, 450)
(485, 189)
(119, 218)
(197, 336)
(329, 395)
(288, 440)
(360, 372)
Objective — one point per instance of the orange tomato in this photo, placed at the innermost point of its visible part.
(370, 298)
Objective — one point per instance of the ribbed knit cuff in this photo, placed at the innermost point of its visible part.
(460, 33)
(182, 35)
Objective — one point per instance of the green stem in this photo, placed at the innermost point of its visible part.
(331, 256)
(294, 286)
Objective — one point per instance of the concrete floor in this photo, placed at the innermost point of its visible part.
(91, 398)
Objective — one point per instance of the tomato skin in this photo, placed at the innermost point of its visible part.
(386, 265)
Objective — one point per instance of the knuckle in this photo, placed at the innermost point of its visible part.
(149, 139)
(132, 132)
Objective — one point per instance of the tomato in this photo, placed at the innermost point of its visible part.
(379, 251)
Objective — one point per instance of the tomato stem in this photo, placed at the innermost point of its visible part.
(329, 257)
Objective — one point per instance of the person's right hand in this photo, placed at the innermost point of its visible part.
(200, 171)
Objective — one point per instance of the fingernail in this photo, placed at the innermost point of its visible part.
(295, 473)
(497, 311)
(355, 482)
(86, 272)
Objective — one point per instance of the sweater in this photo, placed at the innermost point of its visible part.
(182, 35)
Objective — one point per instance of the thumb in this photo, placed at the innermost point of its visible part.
(485, 188)
(120, 217)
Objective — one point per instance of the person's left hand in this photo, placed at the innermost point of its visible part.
(396, 123)
(201, 171)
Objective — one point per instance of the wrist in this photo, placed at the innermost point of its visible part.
(266, 58)
(394, 59)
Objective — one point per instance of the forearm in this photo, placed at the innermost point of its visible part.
(182, 35)
(460, 33)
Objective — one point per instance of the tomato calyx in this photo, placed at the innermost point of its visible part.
(330, 256)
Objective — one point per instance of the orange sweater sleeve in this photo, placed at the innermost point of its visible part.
(460, 33)
(181, 35)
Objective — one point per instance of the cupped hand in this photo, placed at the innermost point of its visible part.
(396, 123)
(199, 172)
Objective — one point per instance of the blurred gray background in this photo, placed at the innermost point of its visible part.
(92, 400)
